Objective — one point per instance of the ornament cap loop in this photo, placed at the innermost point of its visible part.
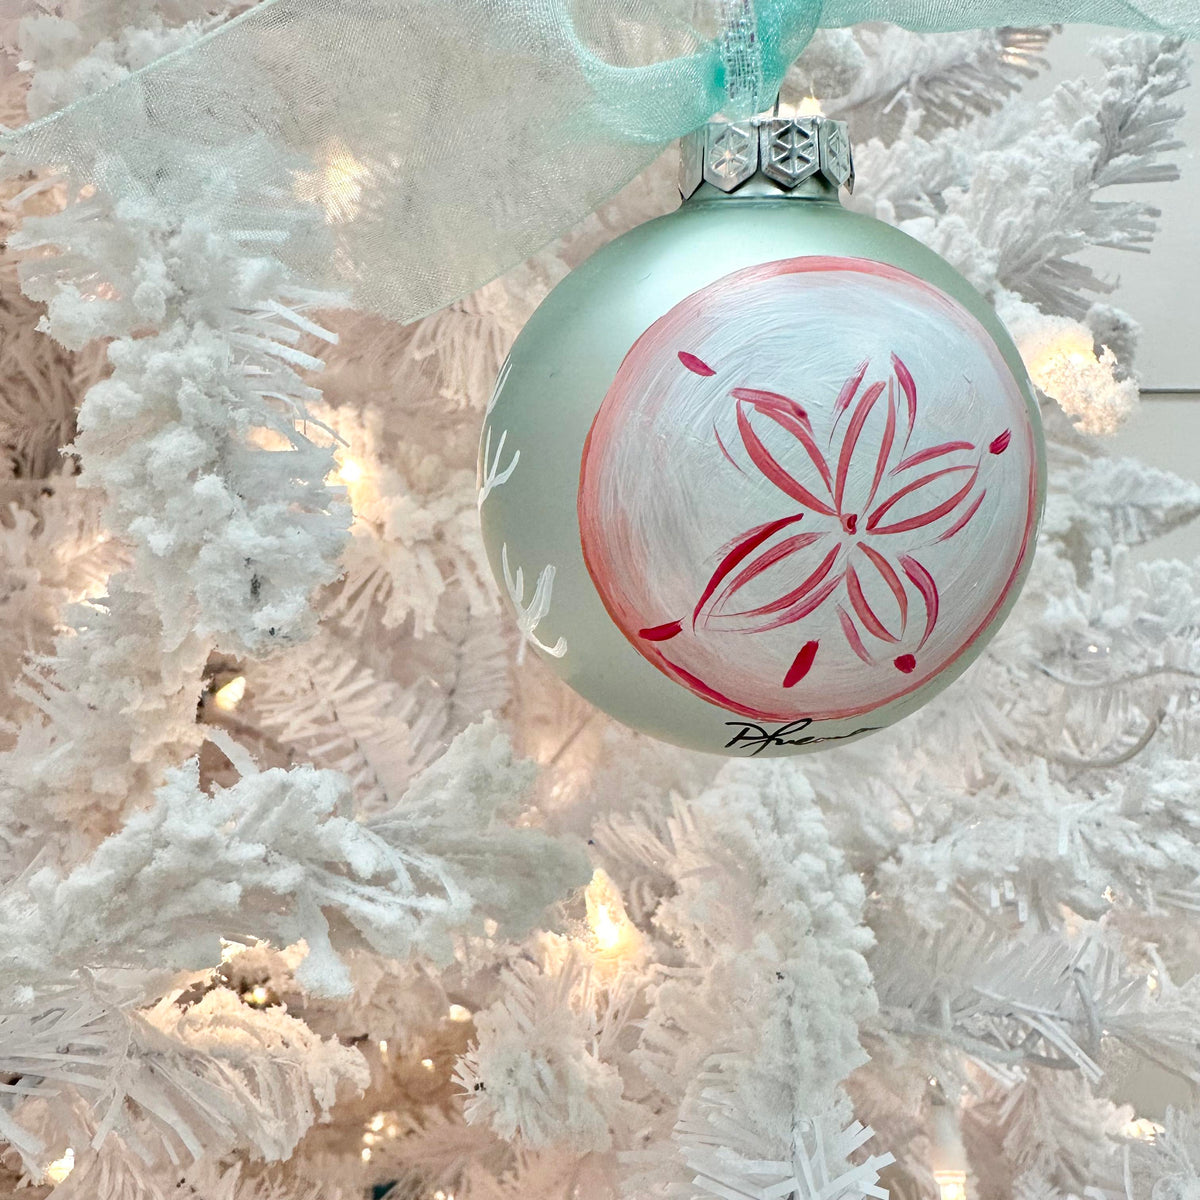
(787, 151)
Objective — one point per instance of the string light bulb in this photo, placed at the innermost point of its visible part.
(60, 1168)
(337, 185)
(948, 1156)
(1067, 368)
(951, 1184)
(613, 933)
(810, 106)
(227, 698)
(1142, 1129)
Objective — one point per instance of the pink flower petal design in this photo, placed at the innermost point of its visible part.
(929, 516)
(924, 456)
(925, 584)
(694, 364)
(790, 416)
(908, 386)
(853, 432)
(853, 638)
(794, 597)
(765, 462)
(885, 446)
(803, 608)
(801, 664)
(749, 556)
(962, 521)
(661, 633)
(866, 614)
(777, 553)
(890, 577)
(846, 395)
(739, 550)
(724, 451)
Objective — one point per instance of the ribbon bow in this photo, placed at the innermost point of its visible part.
(446, 140)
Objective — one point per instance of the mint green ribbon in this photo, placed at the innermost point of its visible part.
(443, 141)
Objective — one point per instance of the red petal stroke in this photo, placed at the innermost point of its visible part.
(772, 403)
(925, 584)
(738, 550)
(934, 514)
(794, 597)
(885, 447)
(790, 416)
(909, 386)
(853, 432)
(661, 633)
(926, 517)
(695, 364)
(866, 614)
(890, 577)
(852, 636)
(763, 460)
(962, 521)
(717, 435)
(1000, 444)
(808, 605)
(923, 456)
(801, 664)
(846, 395)
(765, 560)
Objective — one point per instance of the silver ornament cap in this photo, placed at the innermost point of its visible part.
(788, 151)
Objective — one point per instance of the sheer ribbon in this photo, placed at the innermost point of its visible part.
(446, 140)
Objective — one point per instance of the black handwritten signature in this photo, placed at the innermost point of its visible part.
(755, 735)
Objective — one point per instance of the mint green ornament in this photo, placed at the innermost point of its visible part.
(763, 475)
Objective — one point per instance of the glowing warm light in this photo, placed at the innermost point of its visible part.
(607, 931)
(231, 695)
(810, 106)
(427, 1063)
(60, 1168)
(1143, 1130)
(951, 1184)
(350, 471)
(612, 931)
(376, 1123)
(366, 1154)
(1085, 384)
(336, 185)
(1152, 982)
(369, 1139)
(257, 996)
(383, 1047)
(456, 1012)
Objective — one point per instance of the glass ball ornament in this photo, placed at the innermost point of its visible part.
(763, 475)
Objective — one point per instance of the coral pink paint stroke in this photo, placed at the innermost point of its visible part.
(862, 480)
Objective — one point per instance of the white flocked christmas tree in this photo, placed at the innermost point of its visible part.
(313, 885)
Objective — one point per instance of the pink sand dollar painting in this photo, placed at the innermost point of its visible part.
(809, 489)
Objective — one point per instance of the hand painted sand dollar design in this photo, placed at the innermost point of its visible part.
(809, 488)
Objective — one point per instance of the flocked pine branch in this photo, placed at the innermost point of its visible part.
(887, 80)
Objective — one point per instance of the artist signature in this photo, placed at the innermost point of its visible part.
(755, 735)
